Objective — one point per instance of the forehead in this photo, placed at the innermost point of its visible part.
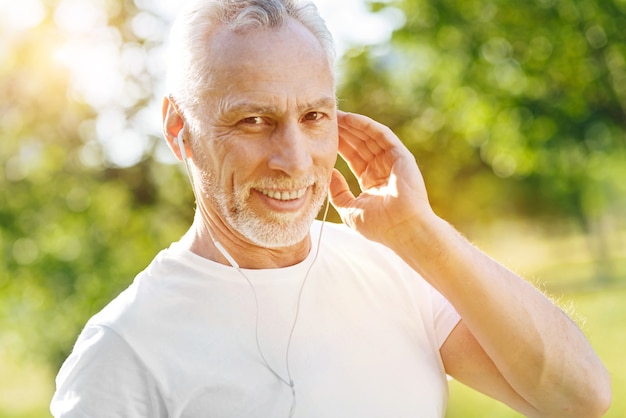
(285, 62)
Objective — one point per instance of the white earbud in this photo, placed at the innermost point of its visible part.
(181, 145)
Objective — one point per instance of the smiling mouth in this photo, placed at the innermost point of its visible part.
(284, 195)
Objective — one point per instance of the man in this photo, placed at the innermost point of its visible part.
(258, 311)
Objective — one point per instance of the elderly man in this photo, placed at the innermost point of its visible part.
(260, 311)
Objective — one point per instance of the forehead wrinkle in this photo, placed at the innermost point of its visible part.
(248, 106)
(323, 102)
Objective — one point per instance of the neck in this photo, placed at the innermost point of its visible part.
(246, 254)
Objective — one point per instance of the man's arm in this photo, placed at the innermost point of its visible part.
(467, 362)
(537, 360)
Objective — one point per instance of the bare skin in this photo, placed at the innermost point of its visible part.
(272, 128)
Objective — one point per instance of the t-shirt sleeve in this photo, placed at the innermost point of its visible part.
(103, 377)
(445, 316)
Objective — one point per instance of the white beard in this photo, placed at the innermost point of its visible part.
(272, 229)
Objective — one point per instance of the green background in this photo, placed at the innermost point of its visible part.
(515, 112)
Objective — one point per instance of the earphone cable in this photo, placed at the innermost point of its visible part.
(205, 219)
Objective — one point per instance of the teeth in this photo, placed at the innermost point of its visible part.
(278, 195)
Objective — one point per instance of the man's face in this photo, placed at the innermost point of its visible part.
(269, 133)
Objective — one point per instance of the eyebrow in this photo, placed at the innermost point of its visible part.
(321, 103)
(252, 107)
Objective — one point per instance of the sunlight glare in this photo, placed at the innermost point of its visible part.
(108, 73)
(20, 15)
(78, 17)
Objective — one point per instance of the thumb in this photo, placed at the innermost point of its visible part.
(340, 195)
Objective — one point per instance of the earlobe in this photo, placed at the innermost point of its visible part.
(173, 127)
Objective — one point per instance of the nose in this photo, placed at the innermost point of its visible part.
(290, 150)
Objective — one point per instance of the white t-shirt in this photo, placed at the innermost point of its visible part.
(181, 340)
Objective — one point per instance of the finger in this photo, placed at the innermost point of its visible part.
(357, 137)
(339, 192)
(360, 140)
(368, 168)
(357, 144)
(357, 160)
(375, 135)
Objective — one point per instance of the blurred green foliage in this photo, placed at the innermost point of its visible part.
(604, 315)
(533, 92)
(74, 227)
(512, 109)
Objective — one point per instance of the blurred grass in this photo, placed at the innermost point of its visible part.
(593, 294)
(25, 389)
(603, 316)
(561, 264)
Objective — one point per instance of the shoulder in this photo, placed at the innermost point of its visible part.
(103, 376)
(172, 274)
(352, 259)
(349, 259)
(340, 235)
(343, 245)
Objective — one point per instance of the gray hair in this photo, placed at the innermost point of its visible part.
(193, 26)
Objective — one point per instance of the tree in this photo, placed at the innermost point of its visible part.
(508, 107)
(75, 226)
(512, 108)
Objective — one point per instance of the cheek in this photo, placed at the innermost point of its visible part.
(213, 164)
(327, 149)
(239, 163)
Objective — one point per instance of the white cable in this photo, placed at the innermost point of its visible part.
(205, 219)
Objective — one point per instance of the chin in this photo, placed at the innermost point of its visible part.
(284, 235)
(275, 229)
(280, 232)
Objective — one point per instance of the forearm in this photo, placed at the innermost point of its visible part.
(536, 348)
(540, 352)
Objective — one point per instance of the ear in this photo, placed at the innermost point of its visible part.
(173, 124)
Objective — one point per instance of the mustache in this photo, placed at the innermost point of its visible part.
(286, 183)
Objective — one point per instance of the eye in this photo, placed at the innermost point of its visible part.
(313, 116)
(253, 120)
